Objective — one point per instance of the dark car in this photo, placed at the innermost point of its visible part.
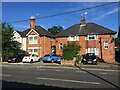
(89, 58)
(51, 58)
(16, 58)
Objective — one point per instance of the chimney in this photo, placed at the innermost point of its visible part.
(83, 20)
(32, 22)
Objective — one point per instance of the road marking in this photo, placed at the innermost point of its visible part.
(41, 69)
(64, 80)
(56, 67)
(108, 70)
(5, 75)
(103, 73)
(81, 71)
(59, 70)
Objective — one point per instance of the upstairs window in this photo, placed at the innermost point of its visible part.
(106, 44)
(73, 38)
(33, 39)
(91, 37)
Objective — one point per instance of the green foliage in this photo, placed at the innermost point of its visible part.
(70, 51)
(55, 29)
(9, 46)
(117, 41)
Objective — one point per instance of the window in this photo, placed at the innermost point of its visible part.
(106, 44)
(91, 37)
(30, 39)
(60, 46)
(72, 38)
(33, 39)
(33, 51)
(92, 50)
(30, 51)
(36, 51)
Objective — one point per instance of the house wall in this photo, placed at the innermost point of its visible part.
(43, 45)
(58, 41)
(17, 37)
(47, 45)
(24, 43)
(107, 54)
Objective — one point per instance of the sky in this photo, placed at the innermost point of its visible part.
(106, 16)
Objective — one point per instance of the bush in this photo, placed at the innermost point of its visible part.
(70, 51)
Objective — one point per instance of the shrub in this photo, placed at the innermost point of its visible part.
(70, 51)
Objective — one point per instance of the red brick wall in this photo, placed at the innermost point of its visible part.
(47, 45)
(108, 54)
(44, 44)
(58, 41)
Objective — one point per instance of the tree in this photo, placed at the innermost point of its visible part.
(117, 41)
(70, 51)
(9, 46)
(55, 29)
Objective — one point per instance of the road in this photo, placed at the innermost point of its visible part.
(49, 75)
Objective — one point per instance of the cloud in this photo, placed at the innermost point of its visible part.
(106, 14)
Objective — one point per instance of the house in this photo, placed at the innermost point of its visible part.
(35, 40)
(18, 36)
(92, 38)
(38, 40)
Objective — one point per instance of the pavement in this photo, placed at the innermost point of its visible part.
(99, 64)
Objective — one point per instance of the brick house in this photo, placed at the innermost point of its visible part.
(92, 38)
(36, 39)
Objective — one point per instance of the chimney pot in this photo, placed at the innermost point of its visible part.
(32, 17)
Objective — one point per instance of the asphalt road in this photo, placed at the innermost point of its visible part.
(57, 76)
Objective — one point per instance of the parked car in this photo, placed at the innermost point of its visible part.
(30, 58)
(16, 58)
(51, 58)
(89, 58)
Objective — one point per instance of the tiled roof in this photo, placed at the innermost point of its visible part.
(41, 31)
(89, 28)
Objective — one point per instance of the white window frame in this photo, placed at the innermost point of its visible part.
(95, 50)
(106, 44)
(33, 36)
(60, 46)
(33, 49)
(73, 38)
(88, 37)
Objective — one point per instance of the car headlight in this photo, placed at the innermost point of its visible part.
(58, 59)
(95, 60)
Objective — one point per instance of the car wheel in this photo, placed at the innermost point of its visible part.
(31, 61)
(52, 61)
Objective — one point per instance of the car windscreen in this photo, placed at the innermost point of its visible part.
(47, 55)
(27, 54)
(90, 56)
